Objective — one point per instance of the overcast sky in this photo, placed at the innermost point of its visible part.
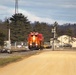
(62, 11)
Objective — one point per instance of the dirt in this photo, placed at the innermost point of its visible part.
(46, 63)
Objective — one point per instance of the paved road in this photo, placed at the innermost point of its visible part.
(46, 63)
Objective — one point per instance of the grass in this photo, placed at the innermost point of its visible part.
(5, 61)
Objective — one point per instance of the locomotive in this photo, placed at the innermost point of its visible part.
(35, 41)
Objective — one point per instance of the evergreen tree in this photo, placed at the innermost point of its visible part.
(44, 29)
(2, 37)
(20, 27)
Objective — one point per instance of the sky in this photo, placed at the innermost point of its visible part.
(49, 11)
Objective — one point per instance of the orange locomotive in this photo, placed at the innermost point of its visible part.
(35, 40)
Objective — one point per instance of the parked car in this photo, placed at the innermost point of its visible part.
(67, 45)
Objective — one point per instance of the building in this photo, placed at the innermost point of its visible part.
(64, 40)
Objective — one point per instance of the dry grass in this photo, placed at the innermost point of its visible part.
(14, 58)
(5, 61)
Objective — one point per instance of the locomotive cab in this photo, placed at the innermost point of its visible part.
(34, 41)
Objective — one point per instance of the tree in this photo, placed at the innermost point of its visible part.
(43, 28)
(3, 28)
(2, 37)
(70, 34)
(20, 27)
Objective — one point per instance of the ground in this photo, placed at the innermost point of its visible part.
(45, 63)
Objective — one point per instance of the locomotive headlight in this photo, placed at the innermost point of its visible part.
(30, 43)
(34, 38)
(36, 44)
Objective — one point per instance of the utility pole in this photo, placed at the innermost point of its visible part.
(9, 40)
(16, 6)
(9, 37)
(16, 12)
(54, 34)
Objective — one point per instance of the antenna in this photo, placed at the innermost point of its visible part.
(16, 6)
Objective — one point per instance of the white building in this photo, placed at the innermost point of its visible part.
(64, 39)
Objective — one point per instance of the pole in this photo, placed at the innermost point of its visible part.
(16, 6)
(54, 36)
(9, 38)
(54, 32)
(53, 43)
(53, 39)
(9, 35)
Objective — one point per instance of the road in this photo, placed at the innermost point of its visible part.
(46, 63)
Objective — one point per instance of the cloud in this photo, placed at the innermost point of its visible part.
(10, 11)
(68, 6)
(5, 12)
(31, 17)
